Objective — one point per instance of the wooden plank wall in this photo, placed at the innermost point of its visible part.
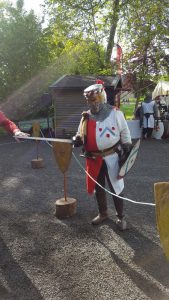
(68, 108)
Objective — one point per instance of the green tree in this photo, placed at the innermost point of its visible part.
(23, 49)
(82, 57)
(144, 28)
(140, 25)
(96, 20)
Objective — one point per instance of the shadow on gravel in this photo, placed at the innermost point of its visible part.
(16, 284)
(148, 258)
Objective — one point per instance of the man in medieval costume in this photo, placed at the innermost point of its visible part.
(106, 141)
(9, 126)
(149, 114)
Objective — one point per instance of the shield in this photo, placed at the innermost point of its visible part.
(36, 129)
(161, 193)
(127, 165)
(62, 153)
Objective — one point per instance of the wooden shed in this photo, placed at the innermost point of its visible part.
(69, 102)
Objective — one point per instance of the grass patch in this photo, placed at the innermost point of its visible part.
(128, 110)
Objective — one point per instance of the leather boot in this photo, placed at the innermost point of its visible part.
(100, 218)
(121, 224)
(102, 206)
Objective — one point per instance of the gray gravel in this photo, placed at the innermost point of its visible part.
(42, 257)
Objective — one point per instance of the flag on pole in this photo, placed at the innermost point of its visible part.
(116, 57)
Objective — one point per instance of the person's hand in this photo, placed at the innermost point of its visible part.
(126, 149)
(20, 133)
(77, 141)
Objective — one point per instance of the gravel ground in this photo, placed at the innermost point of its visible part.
(42, 257)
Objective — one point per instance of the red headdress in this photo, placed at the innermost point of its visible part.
(99, 81)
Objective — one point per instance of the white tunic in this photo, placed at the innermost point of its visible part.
(108, 133)
(148, 108)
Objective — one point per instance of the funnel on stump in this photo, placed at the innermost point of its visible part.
(65, 207)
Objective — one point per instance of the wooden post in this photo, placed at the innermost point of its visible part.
(38, 162)
(65, 186)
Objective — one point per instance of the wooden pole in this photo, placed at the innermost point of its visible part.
(65, 186)
(37, 149)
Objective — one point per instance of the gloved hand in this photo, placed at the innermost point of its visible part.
(19, 133)
(77, 141)
(126, 149)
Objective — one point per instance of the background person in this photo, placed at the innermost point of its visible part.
(103, 132)
(137, 113)
(148, 114)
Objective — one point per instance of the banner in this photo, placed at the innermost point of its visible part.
(116, 57)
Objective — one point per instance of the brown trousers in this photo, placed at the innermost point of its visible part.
(147, 131)
(101, 194)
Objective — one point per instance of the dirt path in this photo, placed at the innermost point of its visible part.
(42, 257)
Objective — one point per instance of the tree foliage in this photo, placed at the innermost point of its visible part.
(23, 50)
(96, 20)
(82, 57)
(139, 25)
(144, 28)
(81, 34)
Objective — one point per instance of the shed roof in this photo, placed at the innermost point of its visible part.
(81, 82)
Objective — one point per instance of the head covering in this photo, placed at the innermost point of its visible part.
(96, 89)
(148, 97)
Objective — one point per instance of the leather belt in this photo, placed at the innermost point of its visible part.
(148, 114)
(104, 152)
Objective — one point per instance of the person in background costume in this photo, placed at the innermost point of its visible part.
(9, 126)
(149, 113)
(104, 134)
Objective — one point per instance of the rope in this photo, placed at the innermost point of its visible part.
(43, 137)
(107, 191)
(126, 199)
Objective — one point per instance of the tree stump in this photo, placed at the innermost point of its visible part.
(37, 163)
(65, 208)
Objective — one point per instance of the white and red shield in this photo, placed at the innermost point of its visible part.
(125, 168)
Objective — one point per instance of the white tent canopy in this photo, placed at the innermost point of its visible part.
(161, 89)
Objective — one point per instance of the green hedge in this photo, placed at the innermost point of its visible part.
(128, 110)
